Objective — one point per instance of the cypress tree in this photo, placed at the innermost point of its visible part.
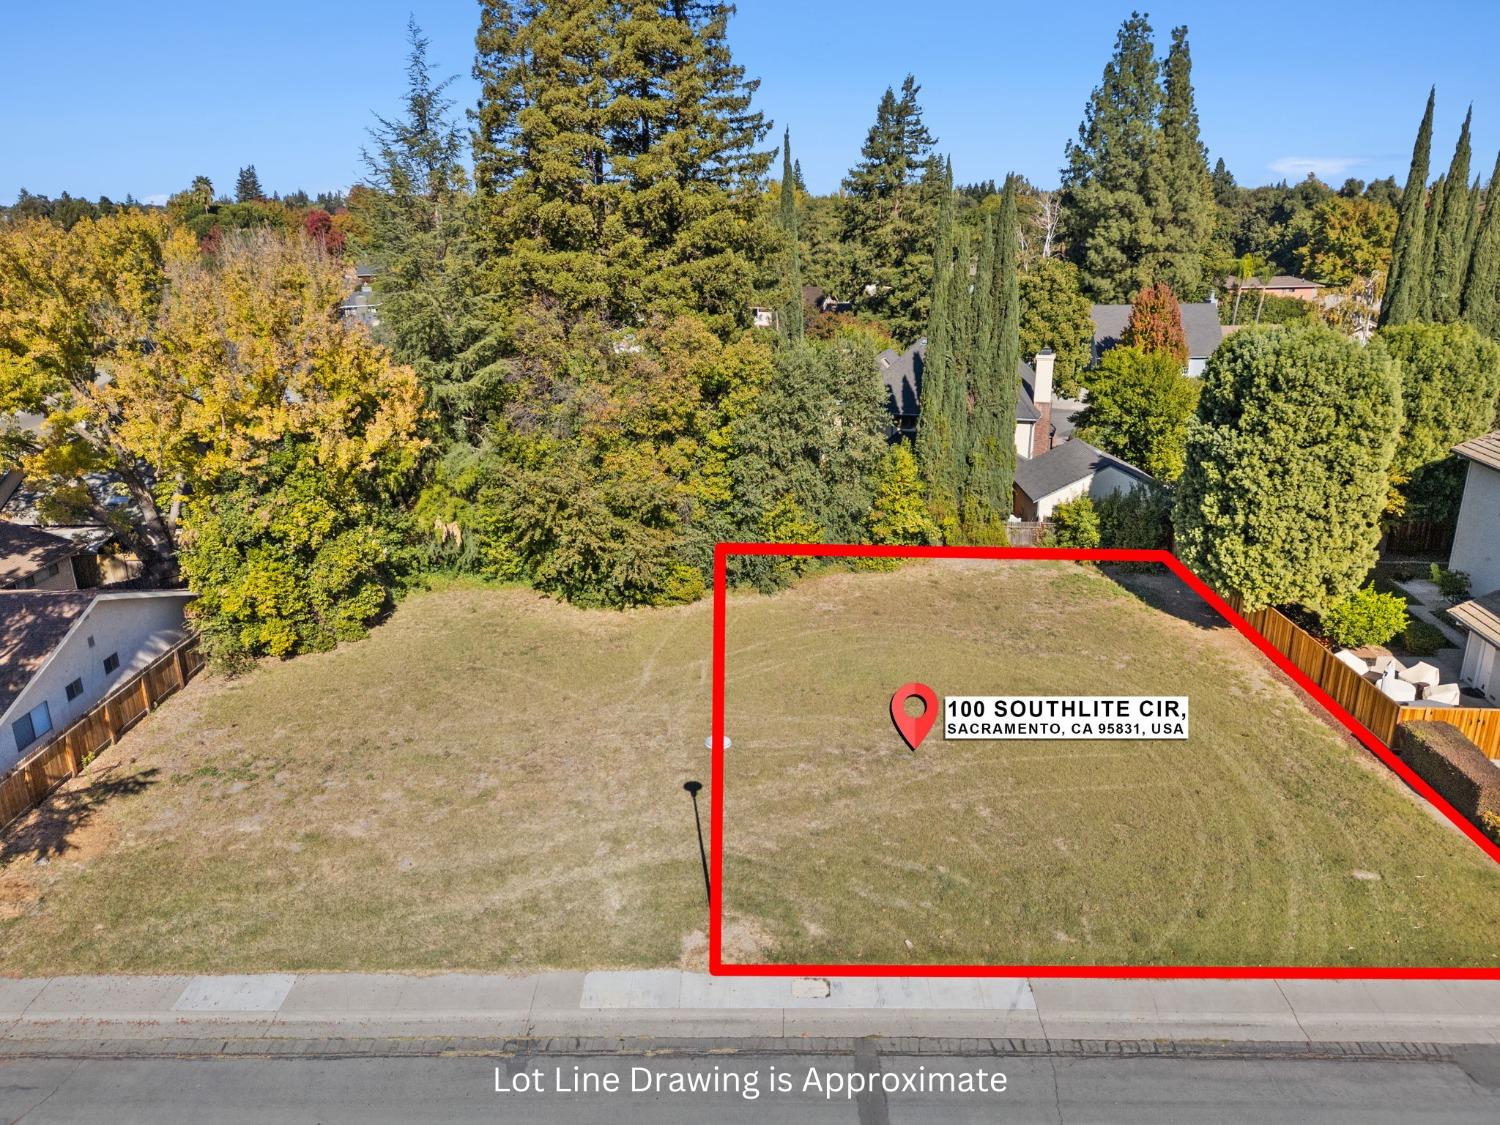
(989, 496)
(791, 315)
(1405, 280)
(942, 399)
(1481, 300)
(1437, 199)
(1185, 196)
(1108, 218)
(1450, 257)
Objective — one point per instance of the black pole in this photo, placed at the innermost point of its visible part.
(692, 787)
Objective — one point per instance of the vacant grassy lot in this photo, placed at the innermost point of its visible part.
(494, 781)
(1267, 838)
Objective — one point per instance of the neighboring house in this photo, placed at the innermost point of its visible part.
(819, 301)
(901, 372)
(1200, 324)
(762, 317)
(1070, 470)
(61, 652)
(1481, 666)
(1282, 285)
(1049, 469)
(33, 559)
(360, 307)
(1476, 540)
(1476, 552)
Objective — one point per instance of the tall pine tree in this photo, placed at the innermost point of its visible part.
(1406, 282)
(1108, 199)
(1182, 185)
(1450, 257)
(616, 156)
(1481, 301)
(247, 187)
(891, 201)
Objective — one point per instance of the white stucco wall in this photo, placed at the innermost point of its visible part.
(139, 629)
(1106, 482)
(1476, 544)
(1196, 366)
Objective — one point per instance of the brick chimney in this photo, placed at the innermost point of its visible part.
(1041, 395)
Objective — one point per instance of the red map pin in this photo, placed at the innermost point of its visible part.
(914, 728)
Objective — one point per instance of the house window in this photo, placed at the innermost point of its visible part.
(111, 662)
(32, 725)
(75, 689)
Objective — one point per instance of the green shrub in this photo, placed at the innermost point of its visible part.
(1074, 524)
(1453, 583)
(1420, 638)
(1137, 520)
(1365, 617)
(1455, 767)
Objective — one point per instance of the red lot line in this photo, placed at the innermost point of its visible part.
(716, 963)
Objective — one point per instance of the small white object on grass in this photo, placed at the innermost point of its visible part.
(708, 743)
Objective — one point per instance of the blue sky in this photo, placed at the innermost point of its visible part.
(112, 98)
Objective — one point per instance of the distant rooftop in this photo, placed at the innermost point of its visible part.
(25, 550)
(1200, 324)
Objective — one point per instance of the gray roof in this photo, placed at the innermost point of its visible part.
(901, 372)
(32, 624)
(1200, 324)
(1485, 450)
(25, 550)
(1073, 461)
(1280, 281)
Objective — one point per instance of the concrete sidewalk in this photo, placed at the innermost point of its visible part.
(684, 1005)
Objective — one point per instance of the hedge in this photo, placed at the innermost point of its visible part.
(1452, 765)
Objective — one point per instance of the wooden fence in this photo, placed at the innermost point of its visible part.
(1363, 699)
(1026, 533)
(43, 770)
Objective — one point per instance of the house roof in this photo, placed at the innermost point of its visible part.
(901, 372)
(1485, 450)
(1280, 281)
(25, 550)
(33, 623)
(1067, 464)
(1481, 614)
(1200, 324)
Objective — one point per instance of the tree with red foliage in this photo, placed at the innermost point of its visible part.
(1155, 323)
(320, 228)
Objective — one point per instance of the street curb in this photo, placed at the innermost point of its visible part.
(472, 1046)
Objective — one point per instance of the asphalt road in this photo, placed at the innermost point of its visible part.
(1463, 1089)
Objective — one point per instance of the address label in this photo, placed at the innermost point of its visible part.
(1097, 717)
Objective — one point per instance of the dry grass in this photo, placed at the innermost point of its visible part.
(494, 781)
(1268, 838)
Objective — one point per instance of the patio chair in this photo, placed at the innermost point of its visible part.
(1399, 690)
(1421, 673)
(1445, 694)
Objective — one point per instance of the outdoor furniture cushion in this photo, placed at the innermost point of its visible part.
(1443, 693)
(1421, 673)
(1344, 656)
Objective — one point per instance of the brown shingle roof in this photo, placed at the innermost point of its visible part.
(25, 550)
(1485, 450)
(32, 624)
